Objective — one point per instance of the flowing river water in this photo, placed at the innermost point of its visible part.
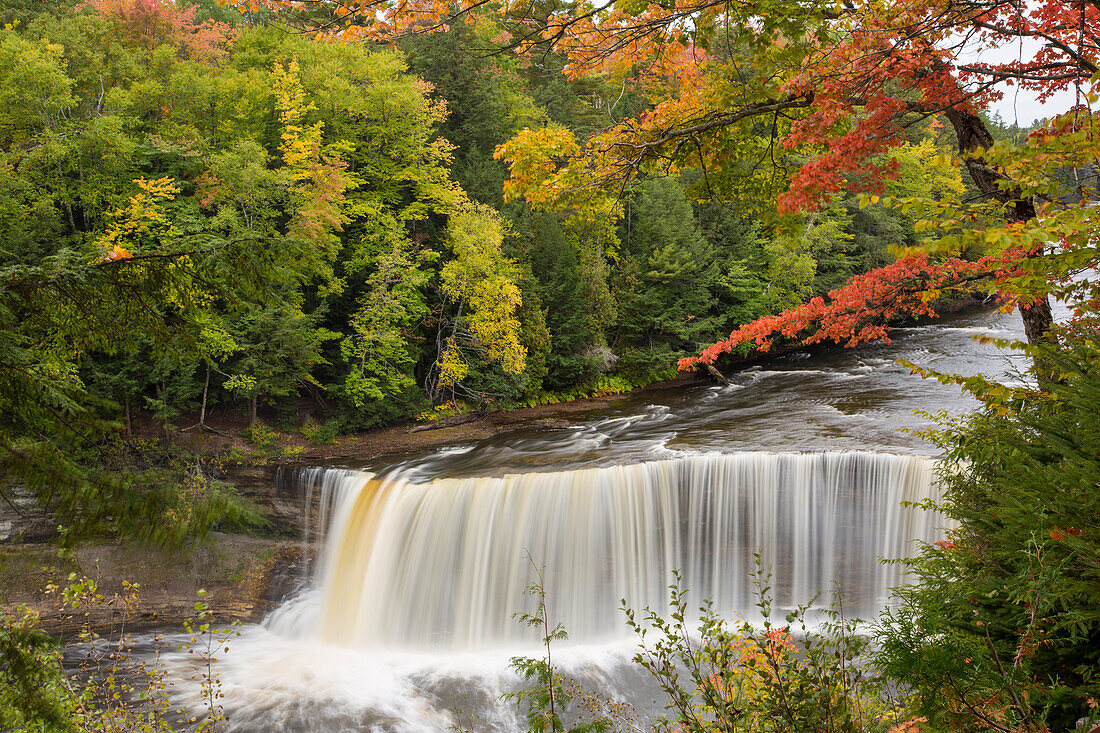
(407, 619)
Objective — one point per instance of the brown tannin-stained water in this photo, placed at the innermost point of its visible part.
(407, 618)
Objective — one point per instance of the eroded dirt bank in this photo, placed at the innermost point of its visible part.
(243, 577)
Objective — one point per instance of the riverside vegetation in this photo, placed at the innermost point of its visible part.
(202, 214)
(998, 634)
(205, 216)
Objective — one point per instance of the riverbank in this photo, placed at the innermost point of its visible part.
(412, 437)
(237, 578)
(243, 576)
(227, 432)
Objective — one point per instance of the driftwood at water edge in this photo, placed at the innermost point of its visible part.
(447, 422)
(715, 374)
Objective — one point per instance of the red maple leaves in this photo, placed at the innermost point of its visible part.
(861, 310)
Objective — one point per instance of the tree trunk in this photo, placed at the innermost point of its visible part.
(1037, 322)
(162, 398)
(974, 138)
(129, 422)
(252, 413)
(205, 392)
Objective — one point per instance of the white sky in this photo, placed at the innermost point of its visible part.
(1021, 106)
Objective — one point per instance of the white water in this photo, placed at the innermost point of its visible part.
(445, 563)
(407, 624)
(408, 615)
(408, 619)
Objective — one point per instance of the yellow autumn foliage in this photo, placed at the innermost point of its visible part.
(483, 280)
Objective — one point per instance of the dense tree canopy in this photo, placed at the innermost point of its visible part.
(419, 208)
(203, 214)
(825, 91)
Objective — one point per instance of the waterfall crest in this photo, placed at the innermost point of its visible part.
(445, 563)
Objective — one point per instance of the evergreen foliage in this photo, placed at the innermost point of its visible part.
(1002, 631)
(33, 691)
(198, 209)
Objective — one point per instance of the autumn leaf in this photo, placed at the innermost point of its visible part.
(118, 253)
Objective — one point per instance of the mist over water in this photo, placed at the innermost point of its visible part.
(407, 622)
(409, 617)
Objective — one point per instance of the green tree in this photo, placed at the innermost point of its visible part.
(481, 284)
(279, 348)
(673, 305)
(485, 100)
(1001, 630)
(553, 261)
(379, 348)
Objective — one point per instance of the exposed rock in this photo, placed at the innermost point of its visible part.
(243, 577)
(21, 519)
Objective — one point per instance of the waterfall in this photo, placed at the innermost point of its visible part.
(445, 563)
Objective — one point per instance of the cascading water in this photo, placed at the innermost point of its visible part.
(445, 563)
(408, 617)
(410, 613)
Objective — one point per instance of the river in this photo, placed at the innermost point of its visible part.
(837, 399)
(406, 624)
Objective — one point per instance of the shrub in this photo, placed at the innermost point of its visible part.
(321, 433)
(746, 678)
(113, 690)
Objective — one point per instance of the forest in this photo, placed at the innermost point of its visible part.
(206, 214)
(247, 219)
(343, 231)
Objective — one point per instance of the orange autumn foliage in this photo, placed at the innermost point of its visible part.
(118, 254)
(152, 23)
(860, 310)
